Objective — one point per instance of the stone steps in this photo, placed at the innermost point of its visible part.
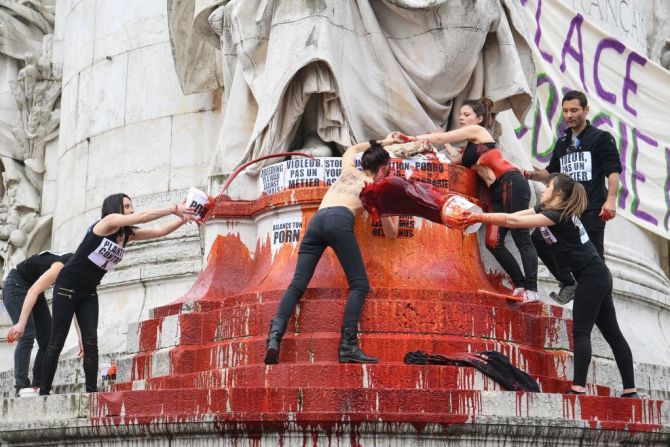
(323, 347)
(479, 297)
(357, 404)
(388, 316)
(329, 375)
(335, 416)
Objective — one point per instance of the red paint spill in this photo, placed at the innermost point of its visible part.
(430, 292)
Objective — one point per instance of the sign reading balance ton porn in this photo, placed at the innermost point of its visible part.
(107, 255)
(286, 230)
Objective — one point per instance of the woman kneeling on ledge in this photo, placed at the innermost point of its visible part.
(557, 216)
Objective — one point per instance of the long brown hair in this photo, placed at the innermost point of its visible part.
(483, 108)
(572, 195)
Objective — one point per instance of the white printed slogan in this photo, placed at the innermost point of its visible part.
(548, 236)
(107, 255)
(583, 235)
(286, 230)
(577, 165)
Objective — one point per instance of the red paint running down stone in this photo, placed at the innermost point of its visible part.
(430, 292)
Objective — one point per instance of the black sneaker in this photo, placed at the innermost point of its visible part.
(565, 294)
(633, 395)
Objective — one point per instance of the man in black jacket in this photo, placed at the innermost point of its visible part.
(590, 156)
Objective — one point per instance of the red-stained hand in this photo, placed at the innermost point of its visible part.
(526, 174)
(15, 333)
(466, 219)
(608, 211)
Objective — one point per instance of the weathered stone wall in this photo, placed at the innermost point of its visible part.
(125, 127)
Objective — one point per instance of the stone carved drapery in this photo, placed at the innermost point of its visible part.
(25, 70)
(343, 71)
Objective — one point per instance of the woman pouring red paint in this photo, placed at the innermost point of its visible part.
(557, 217)
(75, 290)
(509, 189)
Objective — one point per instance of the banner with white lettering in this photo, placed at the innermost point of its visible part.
(628, 97)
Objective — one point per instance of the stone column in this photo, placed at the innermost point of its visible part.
(127, 127)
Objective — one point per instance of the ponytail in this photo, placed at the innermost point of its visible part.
(573, 197)
(483, 108)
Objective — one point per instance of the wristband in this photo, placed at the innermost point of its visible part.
(176, 208)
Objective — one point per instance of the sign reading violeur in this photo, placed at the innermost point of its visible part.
(311, 173)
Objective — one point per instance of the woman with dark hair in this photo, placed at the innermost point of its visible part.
(557, 217)
(333, 226)
(23, 296)
(75, 291)
(509, 188)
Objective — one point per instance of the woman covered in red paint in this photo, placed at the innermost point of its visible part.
(557, 217)
(509, 188)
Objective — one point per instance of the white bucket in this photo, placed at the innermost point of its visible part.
(104, 371)
(456, 205)
(198, 200)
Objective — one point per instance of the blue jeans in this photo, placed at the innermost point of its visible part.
(38, 327)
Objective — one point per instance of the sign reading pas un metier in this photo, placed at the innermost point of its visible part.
(628, 97)
(308, 173)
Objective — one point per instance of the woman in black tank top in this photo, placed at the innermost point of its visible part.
(75, 291)
(557, 217)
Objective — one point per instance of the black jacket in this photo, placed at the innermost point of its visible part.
(589, 161)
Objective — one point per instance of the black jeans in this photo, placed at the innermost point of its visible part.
(330, 227)
(509, 194)
(594, 227)
(38, 327)
(66, 304)
(593, 305)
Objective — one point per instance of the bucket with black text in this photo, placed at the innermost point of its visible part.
(200, 202)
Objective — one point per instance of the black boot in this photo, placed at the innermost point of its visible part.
(277, 329)
(349, 350)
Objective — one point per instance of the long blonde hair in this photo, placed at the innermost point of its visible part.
(573, 198)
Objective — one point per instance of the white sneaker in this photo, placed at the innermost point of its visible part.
(519, 291)
(29, 392)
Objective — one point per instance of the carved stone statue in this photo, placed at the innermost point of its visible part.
(325, 74)
(30, 89)
(37, 91)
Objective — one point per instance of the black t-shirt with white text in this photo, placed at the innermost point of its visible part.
(568, 240)
(95, 256)
(588, 158)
